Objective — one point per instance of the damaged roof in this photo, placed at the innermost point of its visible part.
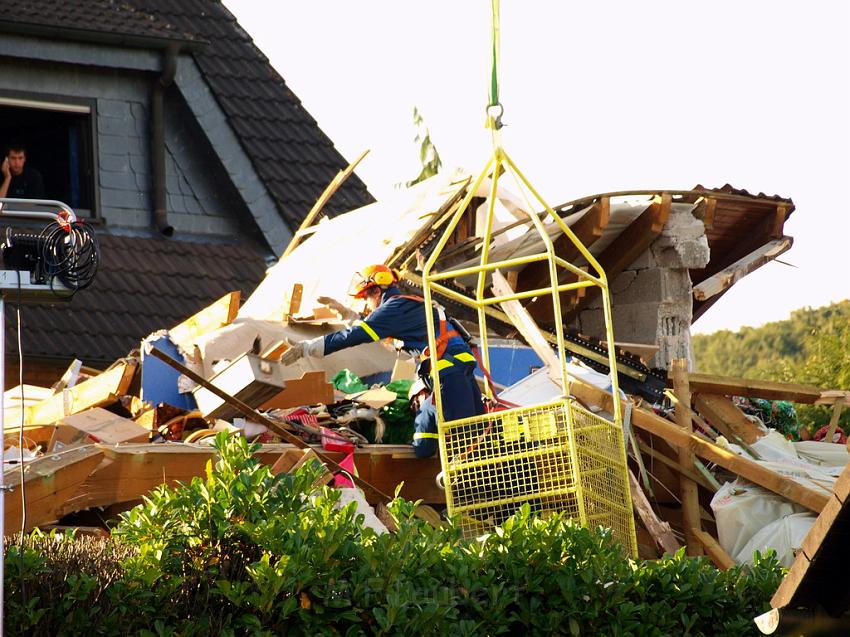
(142, 285)
(290, 153)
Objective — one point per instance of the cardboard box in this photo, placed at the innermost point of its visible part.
(250, 378)
(96, 425)
(311, 389)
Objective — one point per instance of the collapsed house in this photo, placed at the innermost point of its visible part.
(97, 442)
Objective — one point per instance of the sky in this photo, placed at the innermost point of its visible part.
(599, 97)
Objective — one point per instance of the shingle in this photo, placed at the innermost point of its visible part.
(104, 321)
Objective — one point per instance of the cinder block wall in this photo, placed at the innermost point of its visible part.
(652, 299)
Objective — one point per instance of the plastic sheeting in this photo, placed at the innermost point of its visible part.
(742, 511)
(784, 535)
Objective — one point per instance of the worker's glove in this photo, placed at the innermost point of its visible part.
(344, 311)
(293, 354)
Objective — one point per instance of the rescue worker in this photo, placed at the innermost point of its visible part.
(402, 317)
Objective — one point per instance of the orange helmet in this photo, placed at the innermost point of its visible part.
(369, 277)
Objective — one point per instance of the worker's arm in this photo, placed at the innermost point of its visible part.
(382, 323)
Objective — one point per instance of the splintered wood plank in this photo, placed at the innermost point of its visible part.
(102, 390)
(628, 246)
(51, 481)
(752, 471)
(130, 471)
(523, 321)
(767, 389)
(216, 315)
(727, 418)
(728, 276)
(295, 300)
(660, 531)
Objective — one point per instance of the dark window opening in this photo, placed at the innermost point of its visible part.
(59, 145)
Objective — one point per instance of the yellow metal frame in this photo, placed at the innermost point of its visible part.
(556, 457)
(552, 465)
(431, 279)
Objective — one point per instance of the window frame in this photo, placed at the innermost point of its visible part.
(66, 104)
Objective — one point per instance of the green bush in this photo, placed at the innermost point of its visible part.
(244, 552)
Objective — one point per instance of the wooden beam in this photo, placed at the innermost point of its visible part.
(727, 418)
(687, 488)
(100, 391)
(590, 227)
(215, 315)
(752, 471)
(629, 245)
(715, 552)
(50, 481)
(658, 529)
(704, 210)
(767, 389)
(129, 471)
(822, 560)
(328, 192)
(525, 324)
(779, 220)
(831, 396)
(728, 276)
(753, 233)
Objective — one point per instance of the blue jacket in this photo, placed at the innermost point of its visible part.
(396, 317)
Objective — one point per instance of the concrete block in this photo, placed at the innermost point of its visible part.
(635, 322)
(641, 286)
(672, 252)
(645, 260)
(675, 285)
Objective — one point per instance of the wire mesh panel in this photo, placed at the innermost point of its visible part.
(555, 457)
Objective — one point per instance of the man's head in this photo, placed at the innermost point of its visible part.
(370, 283)
(17, 156)
(416, 394)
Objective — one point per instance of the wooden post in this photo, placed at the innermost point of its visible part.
(833, 423)
(688, 490)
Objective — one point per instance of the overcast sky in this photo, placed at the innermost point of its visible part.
(599, 97)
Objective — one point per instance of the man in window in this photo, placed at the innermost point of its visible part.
(19, 180)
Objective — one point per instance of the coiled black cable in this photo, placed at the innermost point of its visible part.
(71, 253)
